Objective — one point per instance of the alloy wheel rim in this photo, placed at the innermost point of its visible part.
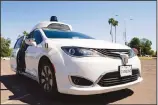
(46, 79)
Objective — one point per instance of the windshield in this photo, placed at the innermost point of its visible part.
(50, 33)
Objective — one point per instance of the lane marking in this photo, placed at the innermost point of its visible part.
(6, 102)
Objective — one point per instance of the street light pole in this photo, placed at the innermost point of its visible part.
(125, 36)
(125, 32)
(115, 29)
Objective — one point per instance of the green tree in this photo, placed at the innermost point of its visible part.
(142, 45)
(115, 24)
(25, 33)
(145, 46)
(135, 43)
(111, 22)
(152, 53)
(5, 47)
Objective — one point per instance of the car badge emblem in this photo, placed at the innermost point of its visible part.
(124, 58)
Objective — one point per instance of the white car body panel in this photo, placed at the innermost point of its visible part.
(91, 43)
(13, 59)
(90, 68)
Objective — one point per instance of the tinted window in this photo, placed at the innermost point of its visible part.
(38, 37)
(18, 43)
(63, 34)
(30, 35)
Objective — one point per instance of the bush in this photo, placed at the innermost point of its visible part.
(5, 47)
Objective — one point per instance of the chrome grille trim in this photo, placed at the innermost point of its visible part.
(116, 79)
(113, 78)
(114, 53)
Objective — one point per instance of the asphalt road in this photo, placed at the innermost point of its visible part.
(15, 90)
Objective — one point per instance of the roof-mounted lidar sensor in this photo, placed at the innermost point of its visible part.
(54, 18)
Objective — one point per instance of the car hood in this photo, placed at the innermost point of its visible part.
(88, 43)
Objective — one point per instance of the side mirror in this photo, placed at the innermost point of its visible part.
(33, 43)
(30, 42)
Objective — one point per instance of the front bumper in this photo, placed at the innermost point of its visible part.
(92, 69)
(99, 90)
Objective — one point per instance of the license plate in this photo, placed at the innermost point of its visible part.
(125, 70)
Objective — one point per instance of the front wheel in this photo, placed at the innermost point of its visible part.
(47, 78)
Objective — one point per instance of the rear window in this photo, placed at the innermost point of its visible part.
(65, 34)
(59, 26)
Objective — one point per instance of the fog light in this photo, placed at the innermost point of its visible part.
(81, 81)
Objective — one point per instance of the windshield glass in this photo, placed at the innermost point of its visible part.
(50, 33)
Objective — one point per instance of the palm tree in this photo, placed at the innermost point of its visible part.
(111, 22)
(25, 33)
(18, 36)
(115, 24)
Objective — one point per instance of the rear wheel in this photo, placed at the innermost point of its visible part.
(47, 77)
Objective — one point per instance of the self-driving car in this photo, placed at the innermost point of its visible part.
(69, 62)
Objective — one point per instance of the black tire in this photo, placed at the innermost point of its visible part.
(17, 68)
(47, 78)
(18, 73)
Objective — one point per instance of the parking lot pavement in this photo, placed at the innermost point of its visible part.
(20, 90)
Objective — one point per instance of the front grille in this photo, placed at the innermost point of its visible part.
(115, 53)
(113, 78)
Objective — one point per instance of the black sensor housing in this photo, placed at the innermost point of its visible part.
(54, 18)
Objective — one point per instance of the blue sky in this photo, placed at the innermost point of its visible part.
(89, 17)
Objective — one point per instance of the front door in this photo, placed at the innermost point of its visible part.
(33, 53)
(13, 58)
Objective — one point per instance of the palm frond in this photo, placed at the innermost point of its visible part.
(111, 20)
(115, 23)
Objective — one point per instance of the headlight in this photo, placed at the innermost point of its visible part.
(131, 53)
(80, 52)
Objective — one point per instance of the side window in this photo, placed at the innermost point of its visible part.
(18, 43)
(30, 35)
(38, 37)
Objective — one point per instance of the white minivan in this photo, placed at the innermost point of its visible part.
(62, 60)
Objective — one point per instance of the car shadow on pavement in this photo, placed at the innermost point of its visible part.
(29, 91)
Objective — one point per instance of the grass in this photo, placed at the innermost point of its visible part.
(147, 58)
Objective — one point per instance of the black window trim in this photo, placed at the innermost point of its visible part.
(32, 32)
(17, 41)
